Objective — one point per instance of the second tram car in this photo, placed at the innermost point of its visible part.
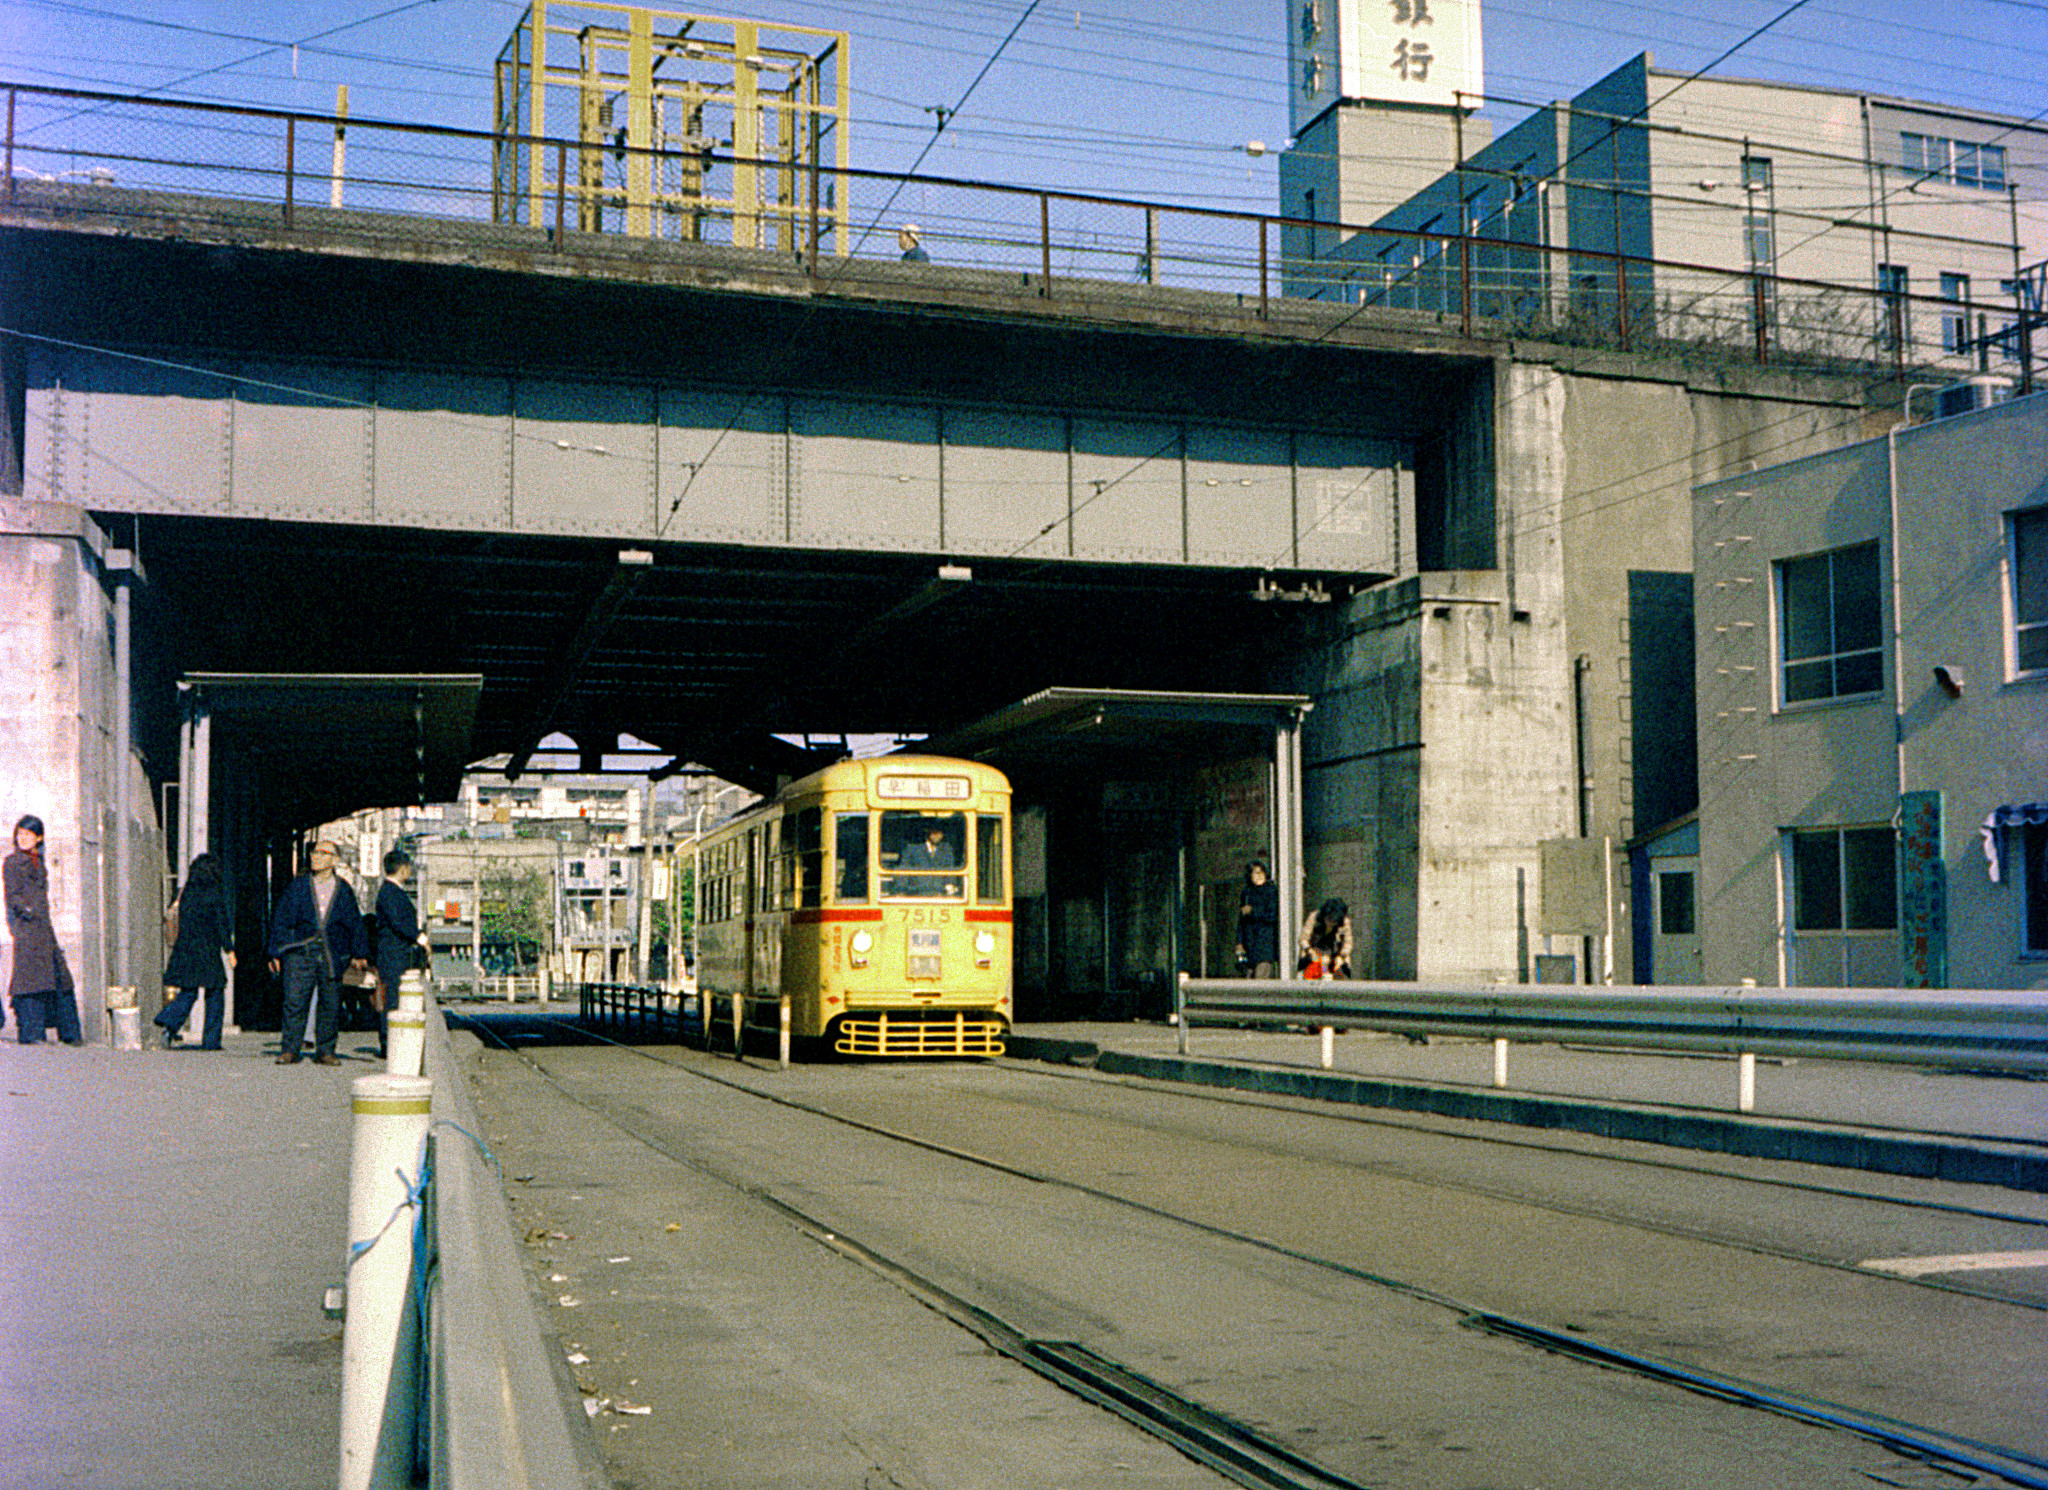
(875, 896)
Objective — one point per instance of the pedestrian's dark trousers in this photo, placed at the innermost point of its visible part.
(180, 1008)
(310, 986)
(35, 1012)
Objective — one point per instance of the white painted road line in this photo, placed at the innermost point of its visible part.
(1956, 1262)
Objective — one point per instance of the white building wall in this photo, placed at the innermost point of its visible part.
(1766, 768)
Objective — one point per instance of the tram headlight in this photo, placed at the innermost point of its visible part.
(859, 947)
(984, 948)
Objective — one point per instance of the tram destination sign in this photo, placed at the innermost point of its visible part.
(923, 788)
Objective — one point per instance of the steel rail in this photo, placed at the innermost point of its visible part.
(2005, 1030)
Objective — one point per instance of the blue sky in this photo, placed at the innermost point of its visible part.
(1151, 98)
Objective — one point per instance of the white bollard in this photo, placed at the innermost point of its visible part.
(1500, 1063)
(1329, 1047)
(784, 1051)
(412, 992)
(405, 1042)
(379, 1343)
(1745, 1082)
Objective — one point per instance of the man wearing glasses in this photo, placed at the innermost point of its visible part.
(316, 929)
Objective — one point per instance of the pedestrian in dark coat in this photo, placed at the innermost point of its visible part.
(316, 931)
(204, 937)
(1258, 924)
(398, 931)
(41, 989)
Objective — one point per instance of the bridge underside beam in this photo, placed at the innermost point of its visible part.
(643, 462)
(715, 650)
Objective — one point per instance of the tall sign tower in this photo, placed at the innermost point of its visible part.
(1413, 53)
(1381, 94)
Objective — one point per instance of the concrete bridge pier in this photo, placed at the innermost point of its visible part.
(59, 731)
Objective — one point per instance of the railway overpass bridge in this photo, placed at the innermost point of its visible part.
(505, 480)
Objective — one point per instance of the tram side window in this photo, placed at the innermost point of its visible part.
(989, 859)
(807, 844)
(918, 850)
(770, 868)
(850, 848)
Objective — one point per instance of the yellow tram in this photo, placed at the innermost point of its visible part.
(874, 896)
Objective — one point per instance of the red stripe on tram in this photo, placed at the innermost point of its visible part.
(1002, 916)
(813, 917)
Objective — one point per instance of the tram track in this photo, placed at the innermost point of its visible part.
(1302, 1107)
(1230, 1447)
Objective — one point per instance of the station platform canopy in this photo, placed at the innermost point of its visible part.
(1057, 725)
(323, 745)
(1091, 744)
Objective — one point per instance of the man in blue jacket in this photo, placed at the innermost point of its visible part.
(317, 928)
(398, 932)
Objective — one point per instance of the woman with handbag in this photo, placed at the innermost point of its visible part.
(1325, 948)
(197, 923)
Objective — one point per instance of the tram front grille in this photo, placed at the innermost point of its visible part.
(956, 1032)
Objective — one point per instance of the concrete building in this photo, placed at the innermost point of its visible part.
(1819, 222)
(1873, 710)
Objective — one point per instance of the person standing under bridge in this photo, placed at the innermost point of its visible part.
(1258, 923)
(41, 989)
(317, 928)
(398, 931)
(203, 939)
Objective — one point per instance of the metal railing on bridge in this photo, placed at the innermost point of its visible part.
(71, 151)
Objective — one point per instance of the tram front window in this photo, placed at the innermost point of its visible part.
(850, 848)
(918, 851)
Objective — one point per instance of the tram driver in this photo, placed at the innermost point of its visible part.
(923, 861)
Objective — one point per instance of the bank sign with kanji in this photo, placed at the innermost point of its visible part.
(1383, 51)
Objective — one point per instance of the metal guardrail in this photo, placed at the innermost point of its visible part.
(632, 1008)
(500, 1414)
(507, 989)
(1962, 1029)
(105, 154)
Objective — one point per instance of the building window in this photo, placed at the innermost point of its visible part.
(1959, 161)
(2029, 561)
(1955, 320)
(1757, 237)
(1895, 328)
(1830, 625)
(1844, 898)
(1675, 914)
(2031, 839)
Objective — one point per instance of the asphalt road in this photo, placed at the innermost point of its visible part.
(762, 1260)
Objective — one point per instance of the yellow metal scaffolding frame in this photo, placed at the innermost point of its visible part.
(771, 99)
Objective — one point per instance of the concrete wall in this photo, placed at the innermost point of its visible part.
(1766, 767)
(1445, 742)
(57, 750)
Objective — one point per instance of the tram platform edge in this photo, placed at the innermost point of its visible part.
(1893, 1120)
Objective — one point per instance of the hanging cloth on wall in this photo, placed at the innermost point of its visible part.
(2012, 815)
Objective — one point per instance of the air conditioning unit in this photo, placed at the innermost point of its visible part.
(1972, 394)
